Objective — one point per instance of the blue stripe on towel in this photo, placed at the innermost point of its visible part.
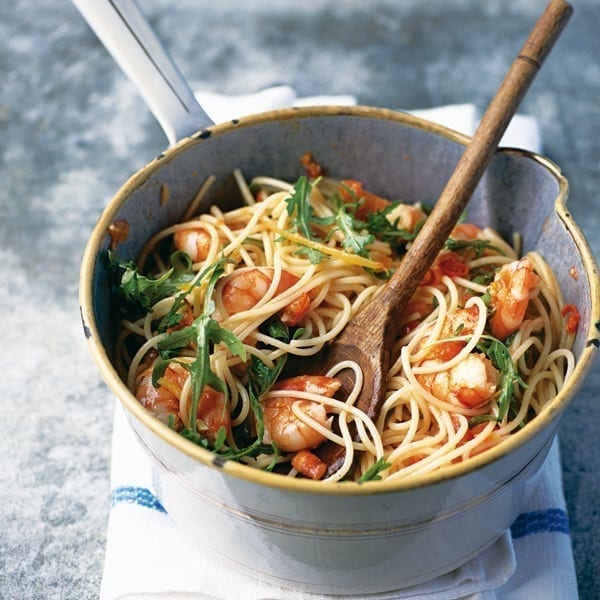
(540, 521)
(136, 495)
(536, 521)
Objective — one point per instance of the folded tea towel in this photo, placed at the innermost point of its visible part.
(147, 557)
(522, 132)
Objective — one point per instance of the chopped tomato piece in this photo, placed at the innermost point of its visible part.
(572, 317)
(452, 265)
(309, 464)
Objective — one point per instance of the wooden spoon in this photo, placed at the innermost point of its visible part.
(369, 337)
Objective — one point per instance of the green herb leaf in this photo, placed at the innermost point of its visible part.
(374, 472)
(204, 333)
(299, 333)
(314, 256)
(260, 380)
(482, 276)
(144, 291)
(212, 273)
(195, 437)
(499, 355)
(175, 341)
(478, 246)
(354, 239)
(388, 231)
(299, 207)
(208, 333)
(262, 377)
(158, 370)
(220, 439)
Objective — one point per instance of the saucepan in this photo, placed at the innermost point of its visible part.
(345, 537)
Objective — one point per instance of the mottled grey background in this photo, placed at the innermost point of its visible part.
(72, 129)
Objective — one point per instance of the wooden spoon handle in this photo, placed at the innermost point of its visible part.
(477, 155)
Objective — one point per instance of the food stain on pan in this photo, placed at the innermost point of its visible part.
(204, 134)
(165, 193)
(118, 232)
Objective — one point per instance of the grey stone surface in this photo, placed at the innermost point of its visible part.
(72, 129)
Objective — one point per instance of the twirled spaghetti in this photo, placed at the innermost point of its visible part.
(230, 296)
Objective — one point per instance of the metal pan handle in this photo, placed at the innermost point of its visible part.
(127, 35)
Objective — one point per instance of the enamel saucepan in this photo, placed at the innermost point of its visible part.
(345, 538)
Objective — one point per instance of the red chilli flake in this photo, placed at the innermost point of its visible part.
(572, 317)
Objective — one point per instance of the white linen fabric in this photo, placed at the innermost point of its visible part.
(148, 558)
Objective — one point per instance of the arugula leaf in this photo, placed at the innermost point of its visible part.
(213, 272)
(260, 380)
(144, 291)
(354, 240)
(208, 333)
(195, 437)
(373, 473)
(204, 333)
(483, 276)
(478, 246)
(499, 355)
(314, 256)
(299, 206)
(388, 231)
(228, 453)
(254, 449)
(221, 438)
(262, 377)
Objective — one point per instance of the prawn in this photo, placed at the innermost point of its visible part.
(283, 427)
(195, 242)
(243, 289)
(471, 382)
(513, 286)
(163, 401)
(407, 216)
(463, 322)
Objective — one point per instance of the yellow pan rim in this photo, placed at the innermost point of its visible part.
(237, 470)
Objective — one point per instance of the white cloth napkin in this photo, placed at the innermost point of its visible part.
(148, 558)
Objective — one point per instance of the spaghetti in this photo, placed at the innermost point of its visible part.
(216, 305)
